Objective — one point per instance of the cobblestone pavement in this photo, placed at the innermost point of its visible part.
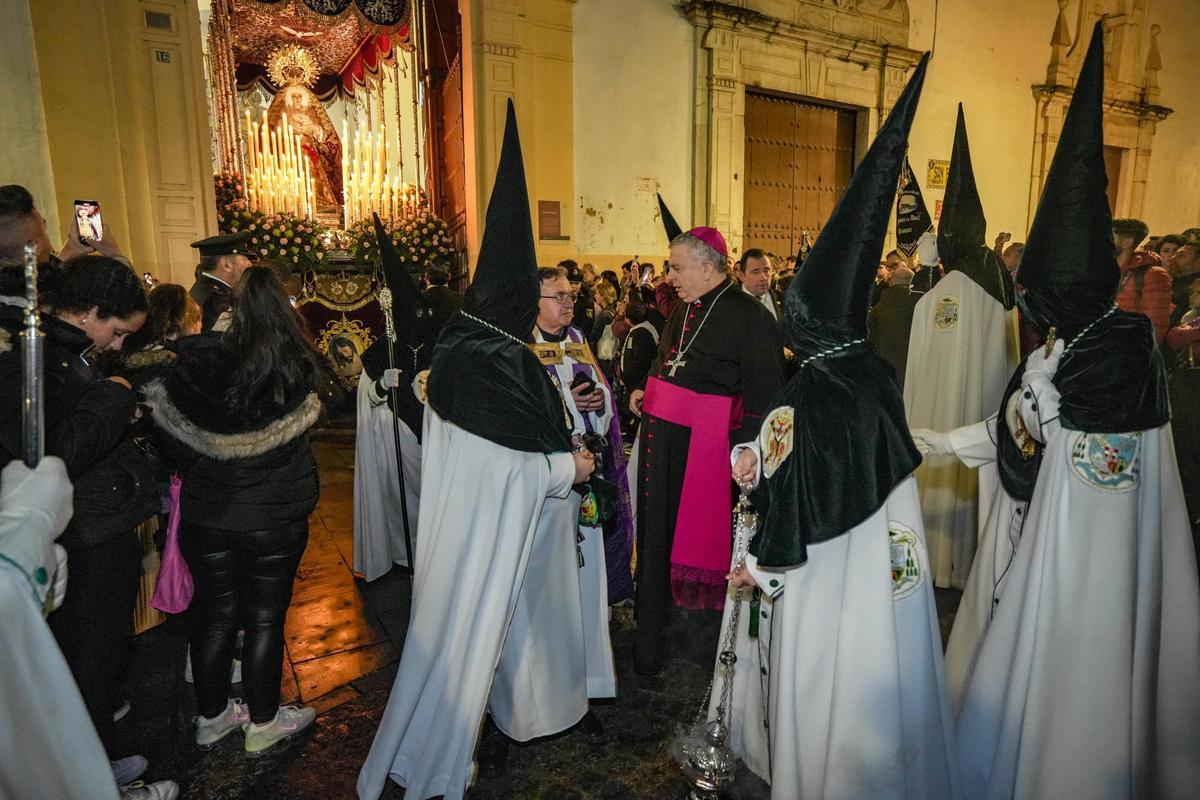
(343, 641)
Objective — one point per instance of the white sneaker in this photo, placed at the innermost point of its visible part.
(211, 731)
(160, 790)
(289, 720)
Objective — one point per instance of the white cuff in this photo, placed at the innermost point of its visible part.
(973, 444)
(770, 581)
(1038, 406)
(562, 474)
(738, 449)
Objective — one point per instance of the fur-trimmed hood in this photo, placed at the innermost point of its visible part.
(230, 446)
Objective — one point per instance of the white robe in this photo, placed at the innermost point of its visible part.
(48, 746)
(378, 526)
(496, 614)
(1087, 678)
(593, 575)
(846, 670)
(961, 352)
(1000, 522)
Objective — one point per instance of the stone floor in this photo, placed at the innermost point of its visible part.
(343, 642)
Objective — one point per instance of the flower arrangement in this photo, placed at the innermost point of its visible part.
(420, 239)
(231, 192)
(293, 241)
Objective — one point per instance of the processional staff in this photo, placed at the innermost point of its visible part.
(389, 326)
(32, 344)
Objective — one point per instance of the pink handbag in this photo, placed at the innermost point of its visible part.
(173, 590)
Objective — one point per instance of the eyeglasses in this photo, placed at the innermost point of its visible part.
(561, 297)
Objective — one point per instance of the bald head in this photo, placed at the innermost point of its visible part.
(901, 276)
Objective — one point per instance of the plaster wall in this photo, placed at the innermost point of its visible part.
(25, 157)
(127, 125)
(988, 53)
(1173, 188)
(634, 115)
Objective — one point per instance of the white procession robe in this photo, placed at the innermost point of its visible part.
(846, 671)
(48, 746)
(378, 526)
(593, 575)
(1087, 678)
(961, 352)
(481, 634)
(1001, 518)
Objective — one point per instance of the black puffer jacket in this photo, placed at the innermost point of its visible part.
(240, 473)
(88, 423)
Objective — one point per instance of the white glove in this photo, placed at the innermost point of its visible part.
(932, 443)
(390, 379)
(35, 507)
(927, 250)
(45, 491)
(1039, 365)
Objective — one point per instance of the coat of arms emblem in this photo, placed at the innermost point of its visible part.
(775, 440)
(1107, 461)
(909, 564)
(945, 313)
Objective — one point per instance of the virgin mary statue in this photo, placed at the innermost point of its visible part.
(294, 70)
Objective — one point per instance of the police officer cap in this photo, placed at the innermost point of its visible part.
(227, 244)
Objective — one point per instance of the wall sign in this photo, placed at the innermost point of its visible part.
(938, 171)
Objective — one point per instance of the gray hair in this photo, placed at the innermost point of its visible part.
(701, 250)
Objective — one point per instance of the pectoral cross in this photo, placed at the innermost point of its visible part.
(675, 364)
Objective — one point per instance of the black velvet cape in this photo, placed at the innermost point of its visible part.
(851, 447)
(1111, 381)
(495, 387)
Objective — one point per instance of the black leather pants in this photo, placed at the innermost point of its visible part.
(243, 580)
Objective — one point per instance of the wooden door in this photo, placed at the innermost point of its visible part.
(799, 156)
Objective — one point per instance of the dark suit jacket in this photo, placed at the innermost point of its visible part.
(889, 325)
(213, 298)
(444, 301)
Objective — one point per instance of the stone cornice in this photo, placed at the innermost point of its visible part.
(745, 21)
(1126, 108)
(500, 49)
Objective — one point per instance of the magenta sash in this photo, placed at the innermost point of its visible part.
(703, 539)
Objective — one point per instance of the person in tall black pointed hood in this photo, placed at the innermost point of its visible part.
(1087, 548)
(379, 534)
(668, 220)
(483, 378)
(854, 703)
(963, 227)
(961, 352)
(497, 618)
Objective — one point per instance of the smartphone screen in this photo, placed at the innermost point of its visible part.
(87, 215)
(647, 273)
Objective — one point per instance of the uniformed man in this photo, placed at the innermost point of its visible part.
(223, 259)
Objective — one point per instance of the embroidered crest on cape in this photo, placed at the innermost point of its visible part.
(775, 439)
(421, 386)
(1107, 461)
(945, 313)
(909, 566)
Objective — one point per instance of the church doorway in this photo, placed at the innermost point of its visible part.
(799, 157)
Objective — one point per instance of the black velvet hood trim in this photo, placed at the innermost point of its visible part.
(851, 447)
(495, 387)
(1111, 381)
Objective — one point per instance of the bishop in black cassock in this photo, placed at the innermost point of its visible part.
(719, 363)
